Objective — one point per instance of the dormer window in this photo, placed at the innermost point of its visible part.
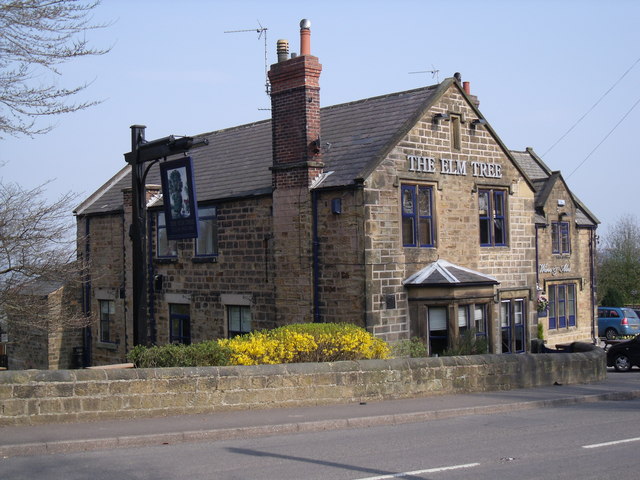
(560, 244)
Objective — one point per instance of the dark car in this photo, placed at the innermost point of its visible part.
(624, 355)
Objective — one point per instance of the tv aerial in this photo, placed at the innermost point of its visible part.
(434, 73)
(262, 33)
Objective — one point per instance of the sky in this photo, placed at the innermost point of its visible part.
(560, 76)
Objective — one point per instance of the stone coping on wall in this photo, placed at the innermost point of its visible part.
(51, 396)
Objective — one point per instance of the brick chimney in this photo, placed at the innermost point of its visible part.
(295, 114)
(297, 161)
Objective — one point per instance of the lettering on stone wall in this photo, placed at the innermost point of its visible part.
(554, 269)
(454, 167)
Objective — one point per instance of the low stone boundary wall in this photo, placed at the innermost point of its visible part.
(37, 397)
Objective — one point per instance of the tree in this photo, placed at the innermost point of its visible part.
(619, 260)
(36, 37)
(37, 257)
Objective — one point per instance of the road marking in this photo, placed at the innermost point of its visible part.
(616, 442)
(418, 472)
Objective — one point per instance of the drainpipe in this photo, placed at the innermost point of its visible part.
(592, 278)
(316, 260)
(537, 257)
(86, 307)
(150, 289)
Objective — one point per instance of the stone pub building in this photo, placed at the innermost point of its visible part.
(404, 214)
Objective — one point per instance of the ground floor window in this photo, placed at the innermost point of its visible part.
(512, 325)
(438, 331)
(480, 322)
(473, 318)
(239, 318)
(562, 306)
(179, 323)
(107, 311)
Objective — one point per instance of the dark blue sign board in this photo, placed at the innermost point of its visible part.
(179, 198)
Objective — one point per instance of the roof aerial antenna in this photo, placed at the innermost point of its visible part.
(433, 72)
(261, 31)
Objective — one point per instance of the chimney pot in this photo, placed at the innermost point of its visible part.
(467, 87)
(305, 37)
(282, 50)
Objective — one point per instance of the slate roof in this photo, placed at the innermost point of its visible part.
(444, 273)
(543, 179)
(237, 161)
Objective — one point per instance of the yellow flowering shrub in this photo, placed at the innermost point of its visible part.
(308, 342)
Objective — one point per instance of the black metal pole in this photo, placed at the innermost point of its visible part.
(138, 237)
(142, 152)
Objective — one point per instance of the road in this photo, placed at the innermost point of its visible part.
(585, 441)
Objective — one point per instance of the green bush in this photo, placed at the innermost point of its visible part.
(308, 342)
(204, 354)
(413, 348)
(540, 331)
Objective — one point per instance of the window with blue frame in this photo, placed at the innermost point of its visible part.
(165, 248)
(493, 221)
(562, 306)
(505, 326)
(207, 241)
(107, 311)
(179, 323)
(560, 242)
(417, 216)
(512, 325)
(480, 320)
(518, 325)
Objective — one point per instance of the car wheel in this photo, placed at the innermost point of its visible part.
(622, 363)
(610, 333)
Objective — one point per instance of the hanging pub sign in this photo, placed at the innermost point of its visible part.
(179, 198)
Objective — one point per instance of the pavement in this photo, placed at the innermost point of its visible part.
(136, 432)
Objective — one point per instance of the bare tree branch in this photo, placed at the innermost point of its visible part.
(37, 36)
(38, 258)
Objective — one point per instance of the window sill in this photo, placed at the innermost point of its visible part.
(107, 345)
(166, 260)
(203, 259)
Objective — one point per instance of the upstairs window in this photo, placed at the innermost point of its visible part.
(207, 241)
(165, 248)
(560, 243)
(493, 222)
(417, 216)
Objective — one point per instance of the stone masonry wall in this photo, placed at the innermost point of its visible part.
(567, 268)
(39, 397)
